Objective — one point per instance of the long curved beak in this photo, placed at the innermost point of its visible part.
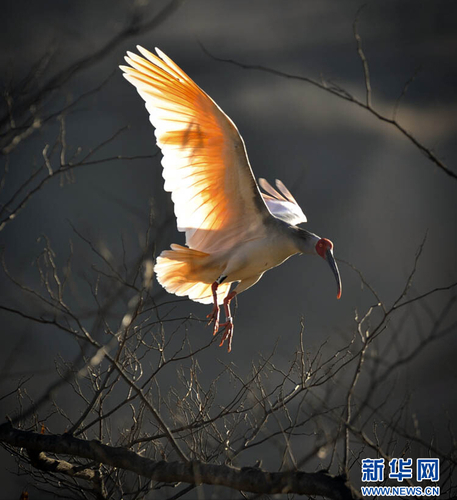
(332, 263)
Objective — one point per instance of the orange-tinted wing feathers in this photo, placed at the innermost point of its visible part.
(217, 201)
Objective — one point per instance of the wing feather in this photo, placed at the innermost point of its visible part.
(206, 168)
(282, 206)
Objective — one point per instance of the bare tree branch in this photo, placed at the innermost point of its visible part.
(134, 28)
(343, 94)
(249, 479)
(42, 462)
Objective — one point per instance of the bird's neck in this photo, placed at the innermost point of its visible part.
(304, 241)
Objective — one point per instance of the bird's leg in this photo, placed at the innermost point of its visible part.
(228, 325)
(214, 315)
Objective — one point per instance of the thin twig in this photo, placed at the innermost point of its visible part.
(361, 54)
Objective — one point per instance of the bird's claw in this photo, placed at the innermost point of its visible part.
(228, 333)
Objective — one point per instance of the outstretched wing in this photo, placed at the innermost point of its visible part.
(283, 206)
(206, 168)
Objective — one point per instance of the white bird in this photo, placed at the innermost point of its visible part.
(234, 233)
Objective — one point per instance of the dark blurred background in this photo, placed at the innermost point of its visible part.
(360, 182)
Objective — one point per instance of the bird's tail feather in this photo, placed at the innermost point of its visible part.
(181, 271)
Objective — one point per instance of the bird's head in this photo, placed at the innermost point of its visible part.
(324, 248)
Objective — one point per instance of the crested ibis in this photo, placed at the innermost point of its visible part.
(234, 232)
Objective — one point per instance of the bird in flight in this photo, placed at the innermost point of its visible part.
(234, 232)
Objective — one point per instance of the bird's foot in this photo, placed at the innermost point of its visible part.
(214, 316)
(227, 335)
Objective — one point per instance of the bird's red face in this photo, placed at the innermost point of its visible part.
(324, 248)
